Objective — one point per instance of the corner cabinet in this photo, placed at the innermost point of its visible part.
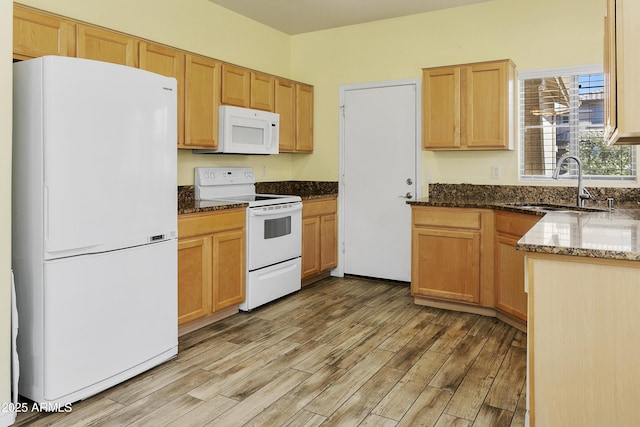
(319, 238)
(211, 266)
(469, 107)
(511, 297)
(622, 72)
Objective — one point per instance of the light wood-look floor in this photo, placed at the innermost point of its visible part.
(343, 352)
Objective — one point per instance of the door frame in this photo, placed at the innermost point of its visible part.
(417, 82)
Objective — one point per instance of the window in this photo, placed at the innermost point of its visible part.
(562, 112)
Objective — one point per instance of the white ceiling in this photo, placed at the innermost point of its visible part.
(303, 16)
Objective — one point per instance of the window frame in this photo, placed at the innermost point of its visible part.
(557, 72)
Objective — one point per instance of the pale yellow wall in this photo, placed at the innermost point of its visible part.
(202, 27)
(534, 34)
(6, 34)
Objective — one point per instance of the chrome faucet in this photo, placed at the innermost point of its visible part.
(583, 193)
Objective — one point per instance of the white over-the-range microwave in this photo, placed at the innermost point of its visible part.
(246, 131)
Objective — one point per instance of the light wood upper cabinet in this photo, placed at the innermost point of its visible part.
(294, 103)
(245, 88)
(107, 46)
(262, 91)
(285, 105)
(304, 117)
(469, 107)
(441, 108)
(203, 83)
(236, 86)
(622, 72)
(36, 34)
(167, 62)
(202, 99)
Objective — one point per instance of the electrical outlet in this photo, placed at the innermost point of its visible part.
(495, 172)
(428, 177)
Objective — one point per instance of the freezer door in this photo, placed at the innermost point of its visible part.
(105, 315)
(109, 146)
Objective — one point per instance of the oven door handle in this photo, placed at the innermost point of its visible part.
(272, 212)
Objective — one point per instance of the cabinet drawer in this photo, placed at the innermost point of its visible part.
(210, 222)
(445, 217)
(319, 207)
(514, 224)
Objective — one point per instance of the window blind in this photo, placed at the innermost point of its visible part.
(564, 114)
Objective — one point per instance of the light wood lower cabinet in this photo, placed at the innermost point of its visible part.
(509, 263)
(452, 255)
(582, 341)
(319, 237)
(211, 265)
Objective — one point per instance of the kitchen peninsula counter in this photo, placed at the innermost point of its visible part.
(603, 234)
(575, 232)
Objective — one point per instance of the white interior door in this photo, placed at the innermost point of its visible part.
(380, 146)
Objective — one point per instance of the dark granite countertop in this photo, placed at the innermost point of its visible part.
(305, 189)
(594, 232)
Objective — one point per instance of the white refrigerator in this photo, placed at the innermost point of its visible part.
(94, 217)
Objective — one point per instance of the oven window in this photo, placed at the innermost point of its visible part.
(277, 227)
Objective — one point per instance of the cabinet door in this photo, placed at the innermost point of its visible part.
(310, 246)
(228, 268)
(328, 242)
(485, 105)
(107, 46)
(236, 84)
(262, 91)
(194, 278)
(304, 118)
(168, 62)
(285, 105)
(202, 99)
(510, 295)
(36, 34)
(441, 108)
(610, 90)
(446, 264)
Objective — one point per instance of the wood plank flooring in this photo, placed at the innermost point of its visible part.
(342, 352)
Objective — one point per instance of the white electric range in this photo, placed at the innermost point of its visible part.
(274, 231)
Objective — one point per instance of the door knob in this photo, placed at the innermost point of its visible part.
(407, 196)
